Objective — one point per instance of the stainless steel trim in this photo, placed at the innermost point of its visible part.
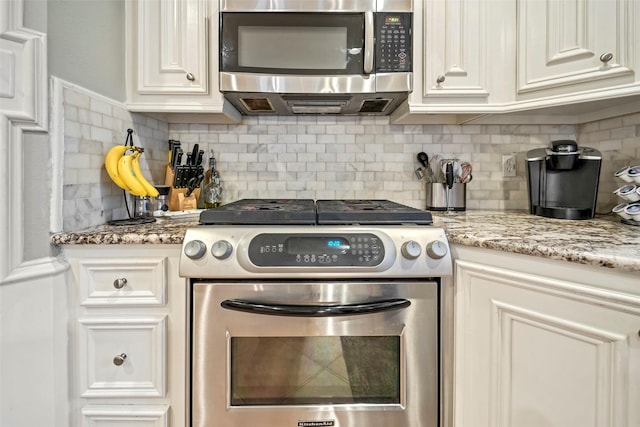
(297, 5)
(394, 82)
(274, 83)
(348, 84)
(316, 5)
(369, 42)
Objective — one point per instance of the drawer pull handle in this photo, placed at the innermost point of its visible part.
(120, 283)
(606, 57)
(440, 80)
(190, 77)
(119, 359)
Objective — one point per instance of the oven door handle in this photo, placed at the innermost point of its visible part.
(315, 310)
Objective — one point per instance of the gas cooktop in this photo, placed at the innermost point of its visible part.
(308, 212)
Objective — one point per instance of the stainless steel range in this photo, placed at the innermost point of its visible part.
(308, 314)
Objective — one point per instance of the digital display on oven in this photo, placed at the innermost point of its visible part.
(316, 249)
(317, 245)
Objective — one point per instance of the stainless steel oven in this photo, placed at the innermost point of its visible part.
(311, 325)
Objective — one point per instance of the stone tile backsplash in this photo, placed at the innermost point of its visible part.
(318, 157)
(327, 157)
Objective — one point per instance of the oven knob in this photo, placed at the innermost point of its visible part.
(437, 249)
(195, 249)
(411, 249)
(221, 249)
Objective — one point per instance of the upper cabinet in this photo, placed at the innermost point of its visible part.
(565, 47)
(543, 61)
(459, 44)
(172, 53)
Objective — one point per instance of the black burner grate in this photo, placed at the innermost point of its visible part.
(308, 212)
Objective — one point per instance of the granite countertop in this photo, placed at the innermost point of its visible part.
(602, 241)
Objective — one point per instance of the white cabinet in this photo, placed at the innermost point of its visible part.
(566, 47)
(523, 61)
(544, 343)
(172, 54)
(129, 333)
(457, 48)
(464, 58)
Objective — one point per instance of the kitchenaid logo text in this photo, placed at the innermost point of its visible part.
(329, 423)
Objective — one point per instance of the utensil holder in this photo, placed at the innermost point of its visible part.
(438, 200)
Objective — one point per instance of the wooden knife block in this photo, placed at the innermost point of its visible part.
(178, 200)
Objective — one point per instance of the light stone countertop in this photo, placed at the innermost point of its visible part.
(603, 241)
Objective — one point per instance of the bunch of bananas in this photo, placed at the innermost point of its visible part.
(124, 170)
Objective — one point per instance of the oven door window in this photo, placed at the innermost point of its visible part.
(315, 370)
(292, 43)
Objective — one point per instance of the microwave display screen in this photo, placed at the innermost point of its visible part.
(292, 47)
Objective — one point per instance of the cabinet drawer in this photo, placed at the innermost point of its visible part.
(122, 357)
(123, 281)
(125, 416)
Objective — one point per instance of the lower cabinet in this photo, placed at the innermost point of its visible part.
(129, 335)
(542, 343)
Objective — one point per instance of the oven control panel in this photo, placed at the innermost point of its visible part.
(343, 249)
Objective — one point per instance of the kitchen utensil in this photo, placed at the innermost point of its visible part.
(423, 158)
(465, 175)
(436, 168)
(449, 174)
(456, 170)
(420, 173)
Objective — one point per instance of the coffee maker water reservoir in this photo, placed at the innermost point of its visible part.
(563, 180)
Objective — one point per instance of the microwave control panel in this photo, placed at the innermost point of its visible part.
(393, 42)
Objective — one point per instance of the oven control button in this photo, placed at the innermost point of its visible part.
(437, 249)
(221, 249)
(195, 249)
(411, 249)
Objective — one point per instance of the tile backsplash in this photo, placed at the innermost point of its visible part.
(319, 157)
(327, 157)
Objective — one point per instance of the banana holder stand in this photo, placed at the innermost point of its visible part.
(180, 199)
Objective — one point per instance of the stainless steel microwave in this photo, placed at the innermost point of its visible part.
(316, 56)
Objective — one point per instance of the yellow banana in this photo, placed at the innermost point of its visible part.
(149, 189)
(111, 165)
(128, 175)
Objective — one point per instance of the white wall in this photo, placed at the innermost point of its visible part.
(86, 44)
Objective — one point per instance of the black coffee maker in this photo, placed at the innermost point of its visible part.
(563, 180)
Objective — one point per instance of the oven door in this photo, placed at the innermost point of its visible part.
(304, 354)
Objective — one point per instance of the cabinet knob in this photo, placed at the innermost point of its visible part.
(606, 57)
(440, 79)
(119, 359)
(190, 77)
(120, 283)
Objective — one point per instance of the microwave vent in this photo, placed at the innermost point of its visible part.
(374, 105)
(257, 105)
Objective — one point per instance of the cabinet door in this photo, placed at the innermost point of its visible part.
(455, 52)
(172, 47)
(570, 46)
(532, 351)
